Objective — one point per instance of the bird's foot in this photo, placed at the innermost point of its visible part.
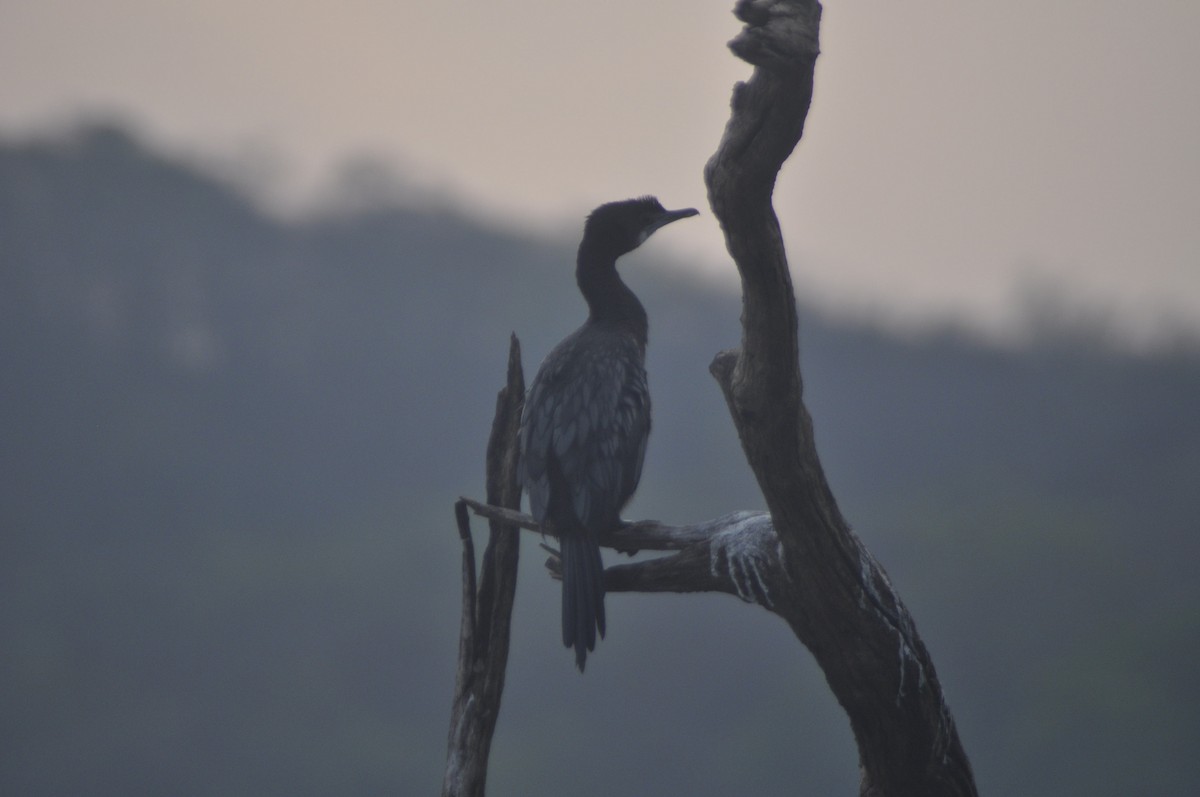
(554, 562)
(624, 524)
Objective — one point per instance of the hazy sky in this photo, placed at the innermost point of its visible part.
(956, 152)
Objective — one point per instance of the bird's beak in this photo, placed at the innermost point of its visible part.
(674, 215)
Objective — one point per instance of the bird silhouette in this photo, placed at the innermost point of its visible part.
(587, 415)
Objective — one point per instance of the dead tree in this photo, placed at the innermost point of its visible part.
(487, 601)
(800, 560)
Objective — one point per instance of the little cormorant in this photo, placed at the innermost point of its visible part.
(587, 415)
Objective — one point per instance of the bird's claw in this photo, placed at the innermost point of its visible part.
(554, 562)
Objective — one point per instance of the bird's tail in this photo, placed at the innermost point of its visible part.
(582, 592)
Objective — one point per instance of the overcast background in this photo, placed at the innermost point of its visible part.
(958, 156)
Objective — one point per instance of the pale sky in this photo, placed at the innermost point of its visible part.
(956, 152)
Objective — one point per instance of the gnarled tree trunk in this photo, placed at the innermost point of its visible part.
(840, 603)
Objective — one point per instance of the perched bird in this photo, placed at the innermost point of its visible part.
(587, 415)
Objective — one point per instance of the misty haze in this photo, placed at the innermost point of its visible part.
(228, 562)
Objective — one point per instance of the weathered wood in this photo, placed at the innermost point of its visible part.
(842, 606)
(487, 609)
(737, 553)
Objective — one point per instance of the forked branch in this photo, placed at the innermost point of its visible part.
(736, 553)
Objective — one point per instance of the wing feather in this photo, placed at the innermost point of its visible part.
(588, 407)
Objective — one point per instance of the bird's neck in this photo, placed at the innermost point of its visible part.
(609, 299)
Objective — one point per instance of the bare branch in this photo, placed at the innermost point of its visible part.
(487, 610)
(512, 517)
(649, 535)
(737, 553)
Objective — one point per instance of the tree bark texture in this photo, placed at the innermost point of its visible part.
(487, 603)
(840, 602)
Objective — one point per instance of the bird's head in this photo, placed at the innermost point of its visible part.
(620, 227)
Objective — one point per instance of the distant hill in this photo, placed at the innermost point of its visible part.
(227, 563)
